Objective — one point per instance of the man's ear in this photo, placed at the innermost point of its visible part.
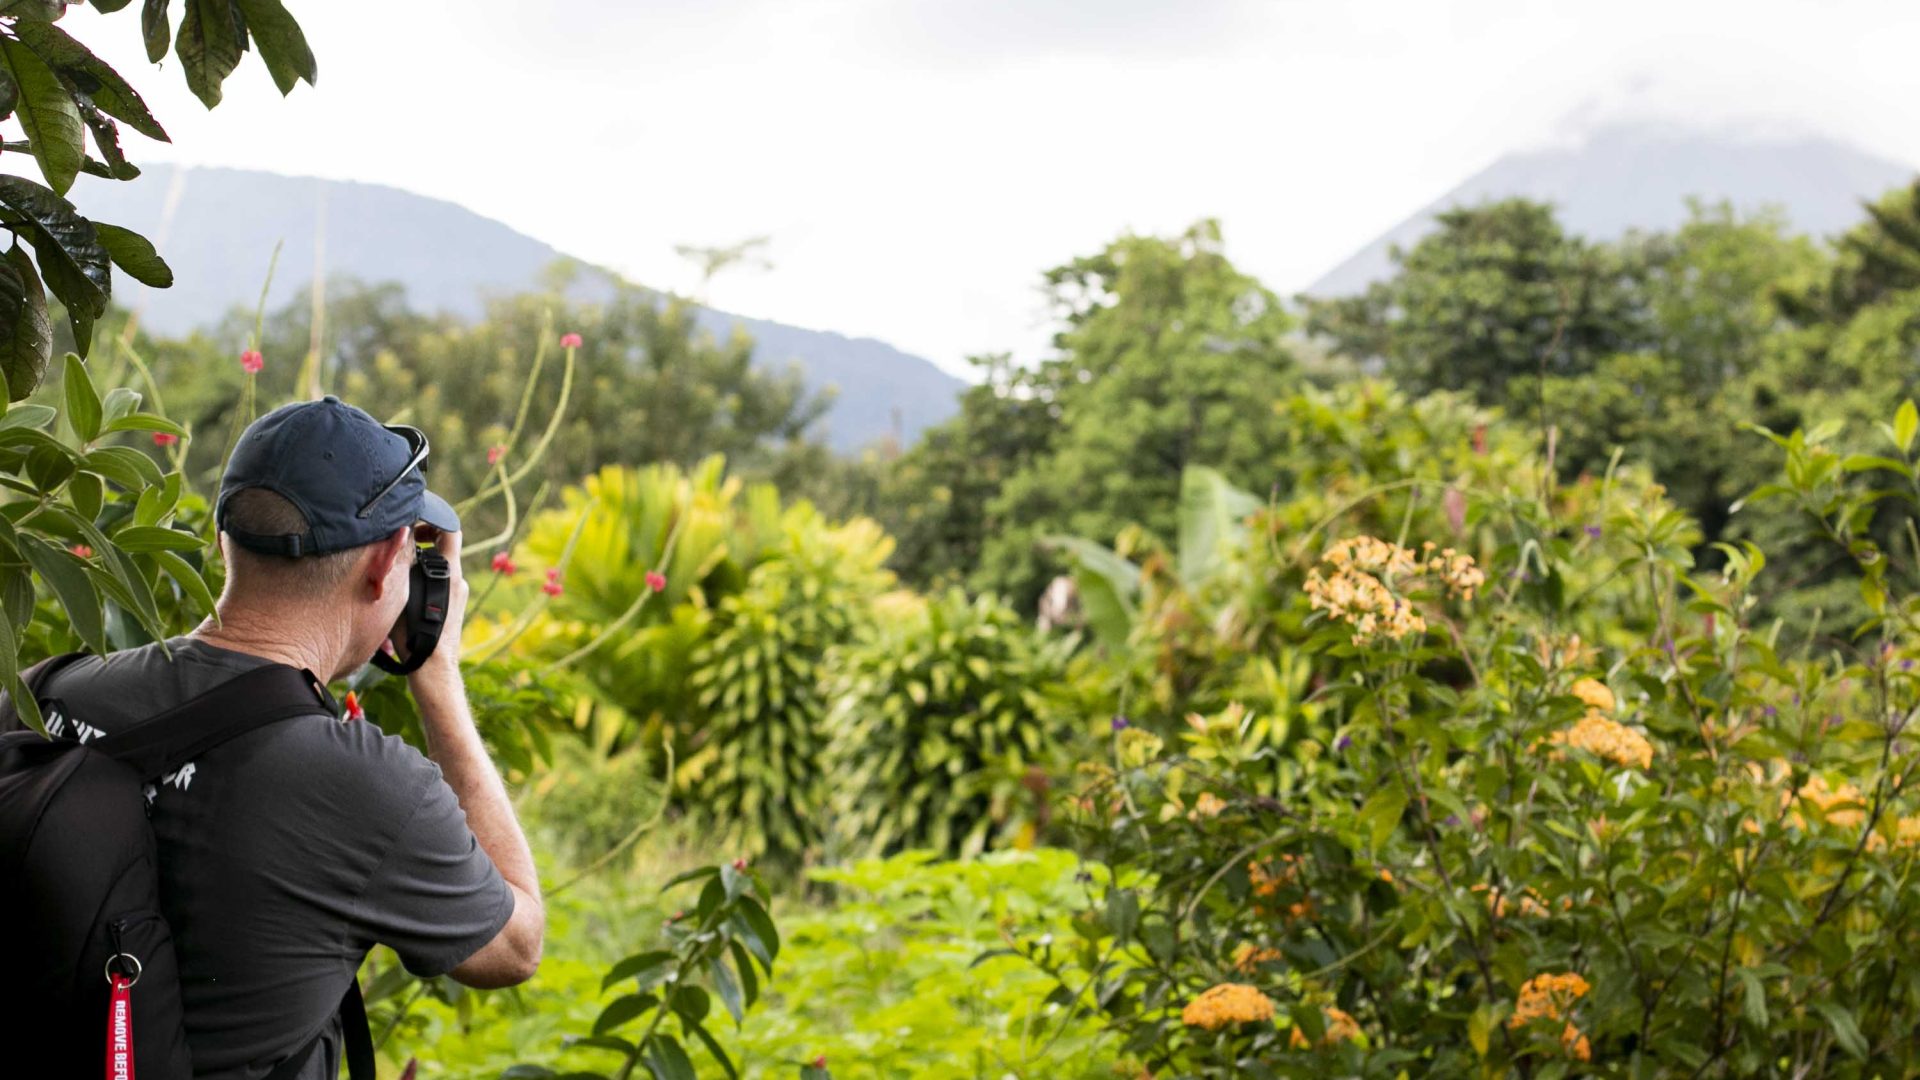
(385, 553)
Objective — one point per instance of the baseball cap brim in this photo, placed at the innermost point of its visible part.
(438, 513)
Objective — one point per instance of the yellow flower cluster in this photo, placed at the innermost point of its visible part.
(1228, 1003)
(1247, 958)
(1341, 1027)
(1455, 570)
(1594, 693)
(1575, 1044)
(1351, 584)
(1817, 792)
(1605, 738)
(1208, 805)
(1547, 996)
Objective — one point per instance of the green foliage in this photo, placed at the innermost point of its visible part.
(882, 981)
(62, 93)
(1497, 293)
(942, 738)
(756, 769)
(1594, 768)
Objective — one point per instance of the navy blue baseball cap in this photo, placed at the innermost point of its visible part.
(352, 477)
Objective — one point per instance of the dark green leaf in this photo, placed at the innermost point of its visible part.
(756, 930)
(728, 987)
(1846, 1031)
(33, 10)
(123, 465)
(88, 494)
(110, 5)
(49, 465)
(635, 965)
(713, 1047)
(72, 260)
(282, 44)
(667, 1061)
(135, 254)
(188, 579)
(9, 93)
(622, 1011)
(814, 1072)
(83, 401)
(148, 538)
(749, 982)
(694, 874)
(47, 113)
(66, 574)
(154, 30)
(691, 1002)
(26, 338)
(143, 422)
(209, 45)
(603, 1042)
(91, 76)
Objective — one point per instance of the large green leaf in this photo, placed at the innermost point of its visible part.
(90, 76)
(1107, 584)
(33, 10)
(9, 93)
(1213, 519)
(209, 45)
(26, 338)
(282, 44)
(154, 29)
(135, 254)
(83, 401)
(72, 259)
(66, 575)
(47, 113)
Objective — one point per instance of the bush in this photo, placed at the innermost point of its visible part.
(941, 736)
(1581, 817)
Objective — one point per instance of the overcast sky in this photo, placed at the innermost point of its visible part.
(917, 163)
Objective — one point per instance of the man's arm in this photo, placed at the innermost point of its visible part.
(454, 744)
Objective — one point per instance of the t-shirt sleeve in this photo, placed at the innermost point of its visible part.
(436, 897)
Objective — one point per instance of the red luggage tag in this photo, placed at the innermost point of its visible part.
(120, 1021)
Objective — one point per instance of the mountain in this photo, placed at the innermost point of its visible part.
(217, 228)
(1639, 176)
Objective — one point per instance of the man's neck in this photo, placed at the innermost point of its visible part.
(247, 632)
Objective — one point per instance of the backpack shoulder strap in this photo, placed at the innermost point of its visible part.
(264, 695)
(356, 1038)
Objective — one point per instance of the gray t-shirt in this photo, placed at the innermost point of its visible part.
(285, 855)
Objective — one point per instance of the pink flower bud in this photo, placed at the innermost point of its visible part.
(503, 563)
(656, 581)
(82, 550)
(165, 438)
(569, 341)
(251, 362)
(495, 453)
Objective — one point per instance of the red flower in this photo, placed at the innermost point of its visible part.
(656, 581)
(251, 361)
(495, 453)
(569, 341)
(82, 550)
(740, 864)
(354, 711)
(503, 563)
(819, 1062)
(552, 587)
(165, 438)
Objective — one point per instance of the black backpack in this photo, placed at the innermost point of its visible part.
(79, 888)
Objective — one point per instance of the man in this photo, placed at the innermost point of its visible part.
(286, 853)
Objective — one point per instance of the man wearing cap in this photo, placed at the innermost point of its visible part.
(288, 852)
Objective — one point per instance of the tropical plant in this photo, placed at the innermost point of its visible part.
(1569, 809)
(755, 769)
(62, 94)
(942, 737)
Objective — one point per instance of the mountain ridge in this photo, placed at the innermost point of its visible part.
(217, 228)
(1639, 176)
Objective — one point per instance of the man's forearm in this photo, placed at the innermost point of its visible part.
(454, 744)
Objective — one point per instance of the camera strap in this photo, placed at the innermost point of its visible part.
(430, 586)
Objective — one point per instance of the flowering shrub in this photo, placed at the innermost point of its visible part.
(1561, 807)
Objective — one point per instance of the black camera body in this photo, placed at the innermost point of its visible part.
(429, 587)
